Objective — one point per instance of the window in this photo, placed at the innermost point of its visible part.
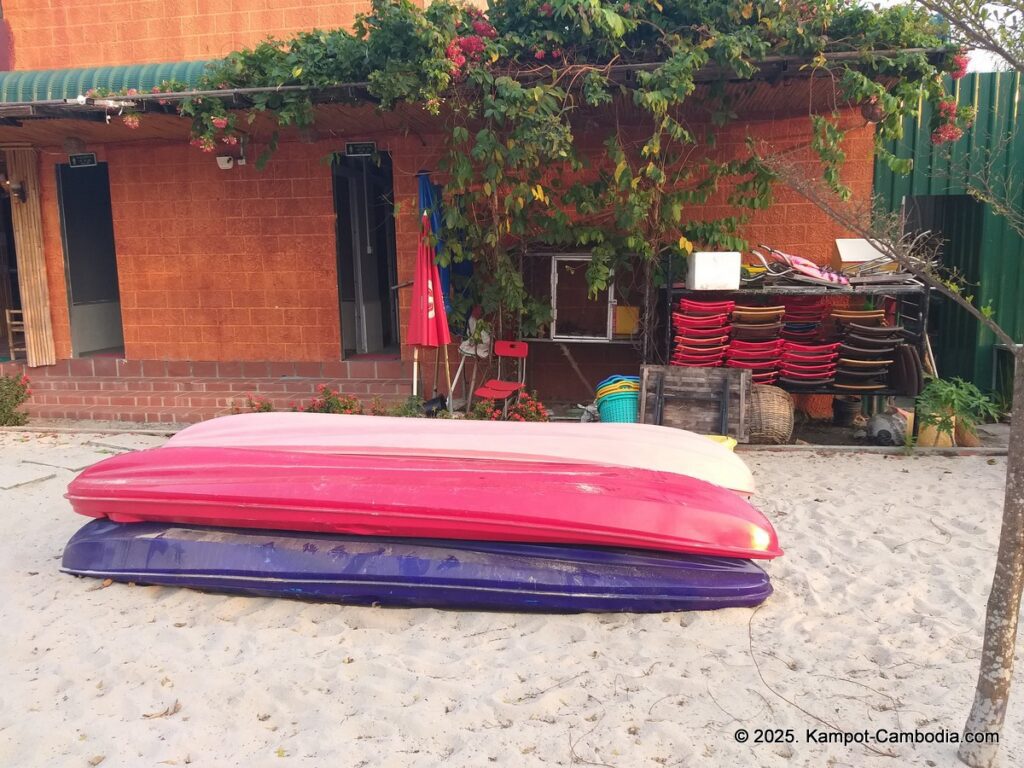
(574, 314)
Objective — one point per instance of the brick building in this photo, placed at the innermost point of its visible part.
(157, 285)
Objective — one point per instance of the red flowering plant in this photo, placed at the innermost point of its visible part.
(14, 390)
(950, 120)
(526, 408)
(485, 410)
(253, 404)
(958, 64)
(331, 401)
(473, 36)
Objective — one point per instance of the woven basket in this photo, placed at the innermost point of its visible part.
(771, 415)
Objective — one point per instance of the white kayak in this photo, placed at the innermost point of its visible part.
(643, 446)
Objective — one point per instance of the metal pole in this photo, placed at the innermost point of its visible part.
(448, 375)
(415, 370)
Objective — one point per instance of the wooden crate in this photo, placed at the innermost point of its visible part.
(692, 398)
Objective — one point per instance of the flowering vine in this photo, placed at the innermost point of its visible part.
(519, 86)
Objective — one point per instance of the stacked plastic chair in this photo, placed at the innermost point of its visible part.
(808, 366)
(867, 350)
(802, 321)
(756, 341)
(702, 331)
(618, 399)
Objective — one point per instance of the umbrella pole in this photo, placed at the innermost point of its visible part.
(415, 369)
(437, 370)
(448, 374)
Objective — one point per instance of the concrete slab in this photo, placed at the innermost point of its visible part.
(16, 475)
(127, 442)
(994, 434)
(74, 458)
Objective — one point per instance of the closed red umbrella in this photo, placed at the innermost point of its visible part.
(428, 321)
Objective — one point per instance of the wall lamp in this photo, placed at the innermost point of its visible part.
(17, 191)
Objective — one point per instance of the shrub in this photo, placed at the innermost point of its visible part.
(379, 408)
(13, 392)
(331, 401)
(527, 408)
(254, 404)
(485, 410)
(411, 408)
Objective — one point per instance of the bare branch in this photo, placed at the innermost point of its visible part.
(995, 27)
(911, 251)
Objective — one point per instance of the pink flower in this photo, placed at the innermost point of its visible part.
(471, 44)
(557, 53)
(132, 92)
(230, 140)
(484, 29)
(204, 143)
(947, 108)
(946, 133)
(131, 120)
(960, 62)
(546, 9)
(539, 55)
(220, 122)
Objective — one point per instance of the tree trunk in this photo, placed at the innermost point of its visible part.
(993, 691)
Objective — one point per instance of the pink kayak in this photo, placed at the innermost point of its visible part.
(642, 446)
(424, 497)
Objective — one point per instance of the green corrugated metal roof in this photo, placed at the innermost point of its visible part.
(981, 244)
(50, 84)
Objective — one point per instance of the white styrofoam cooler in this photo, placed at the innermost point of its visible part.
(713, 270)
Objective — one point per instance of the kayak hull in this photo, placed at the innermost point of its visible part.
(424, 497)
(642, 446)
(412, 572)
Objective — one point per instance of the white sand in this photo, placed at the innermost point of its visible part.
(875, 624)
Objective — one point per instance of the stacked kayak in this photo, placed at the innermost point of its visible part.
(364, 570)
(642, 446)
(364, 515)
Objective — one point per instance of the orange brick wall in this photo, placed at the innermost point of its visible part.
(226, 265)
(54, 34)
(792, 222)
(241, 264)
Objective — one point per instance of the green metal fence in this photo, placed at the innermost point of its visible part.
(979, 243)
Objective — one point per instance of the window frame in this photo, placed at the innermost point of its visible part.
(556, 260)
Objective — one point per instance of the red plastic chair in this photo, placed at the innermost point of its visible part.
(500, 389)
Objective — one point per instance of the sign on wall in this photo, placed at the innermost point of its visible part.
(83, 160)
(361, 149)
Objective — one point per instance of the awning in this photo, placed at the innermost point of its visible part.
(53, 84)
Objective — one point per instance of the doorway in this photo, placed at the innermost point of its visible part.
(367, 264)
(90, 262)
(957, 226)
(10, 296)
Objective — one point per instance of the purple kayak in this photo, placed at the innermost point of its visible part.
(365, 570)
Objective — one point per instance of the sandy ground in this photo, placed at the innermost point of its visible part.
(875, 623)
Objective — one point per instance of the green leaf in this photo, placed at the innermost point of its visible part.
(615, 23)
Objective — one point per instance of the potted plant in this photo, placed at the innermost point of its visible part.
(950, 411)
